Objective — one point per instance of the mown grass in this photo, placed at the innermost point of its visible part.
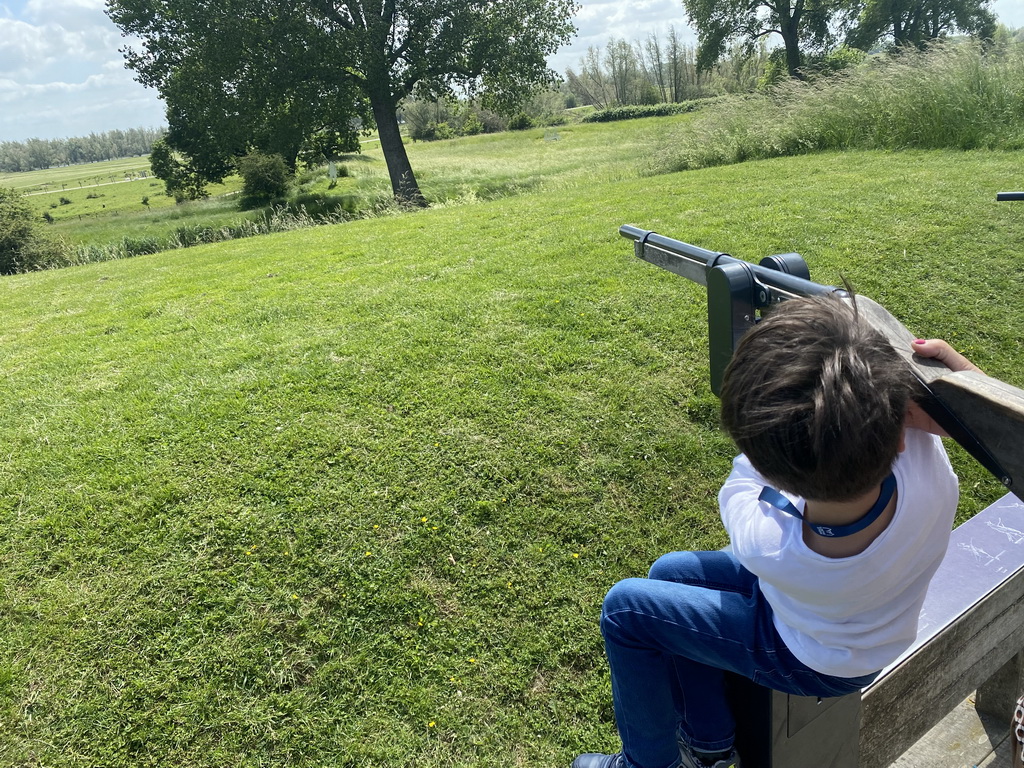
(351, 496)
(953, 96)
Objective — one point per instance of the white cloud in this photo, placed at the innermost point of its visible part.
(633, 20)
(61, 73)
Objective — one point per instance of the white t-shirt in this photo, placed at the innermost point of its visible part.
(847, 616)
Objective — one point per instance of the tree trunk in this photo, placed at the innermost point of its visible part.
(789, 28)
(403, 182)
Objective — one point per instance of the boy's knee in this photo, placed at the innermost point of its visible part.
(676, 566)
(624, 595)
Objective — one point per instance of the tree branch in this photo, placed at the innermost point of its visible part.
(329, 10)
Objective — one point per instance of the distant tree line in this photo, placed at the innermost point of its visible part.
(36, 154)
(660, 70)
(667, 70)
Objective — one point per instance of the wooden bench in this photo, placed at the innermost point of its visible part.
(970, 638)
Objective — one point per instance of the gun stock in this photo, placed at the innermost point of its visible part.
(983, 414)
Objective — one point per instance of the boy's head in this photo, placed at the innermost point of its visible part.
(816, 398)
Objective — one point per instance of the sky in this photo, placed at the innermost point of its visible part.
(62, 75)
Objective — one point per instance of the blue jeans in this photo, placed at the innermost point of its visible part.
(671, 637)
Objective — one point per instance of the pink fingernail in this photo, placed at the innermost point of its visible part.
(919, 341)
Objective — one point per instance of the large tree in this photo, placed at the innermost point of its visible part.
(801, 24)
(916, 22)
(280, 67)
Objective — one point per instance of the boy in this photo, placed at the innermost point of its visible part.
(838, 510)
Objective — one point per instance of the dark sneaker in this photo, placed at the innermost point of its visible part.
(689, 759)
(595, 760)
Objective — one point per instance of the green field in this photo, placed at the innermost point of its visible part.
(469, 169)
(72, 177)
(351, 496)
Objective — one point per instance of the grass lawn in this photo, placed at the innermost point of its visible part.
(351, 496)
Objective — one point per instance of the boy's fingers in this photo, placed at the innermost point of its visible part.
(941, 351)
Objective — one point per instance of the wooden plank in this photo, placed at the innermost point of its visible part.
(913, 697)
(964, 737)
(994, 411)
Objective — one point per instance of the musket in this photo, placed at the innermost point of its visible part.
(983, 414)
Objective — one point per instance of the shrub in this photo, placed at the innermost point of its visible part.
(472, 124)
(422, 116)
(65, 201)
(22, 245)
(443, 131)
(520, 122)
(264, 179)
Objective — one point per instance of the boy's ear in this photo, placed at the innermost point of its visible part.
(903, 440)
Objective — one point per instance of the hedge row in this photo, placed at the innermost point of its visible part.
(633, 111)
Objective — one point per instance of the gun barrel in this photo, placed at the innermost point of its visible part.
(1010, 196)
(669, 244)
(692, 260)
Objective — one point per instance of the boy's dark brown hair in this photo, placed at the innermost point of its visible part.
(816, 398)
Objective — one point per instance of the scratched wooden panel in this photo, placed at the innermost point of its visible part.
(972, 624)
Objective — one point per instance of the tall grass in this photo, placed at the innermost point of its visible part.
(951, 96)
(279, 218)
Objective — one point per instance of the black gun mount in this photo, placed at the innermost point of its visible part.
(737, 290)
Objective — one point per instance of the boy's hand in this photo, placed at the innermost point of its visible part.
(916, 418)
(941, 351)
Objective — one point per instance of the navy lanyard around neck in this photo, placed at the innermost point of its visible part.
(780, 502)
